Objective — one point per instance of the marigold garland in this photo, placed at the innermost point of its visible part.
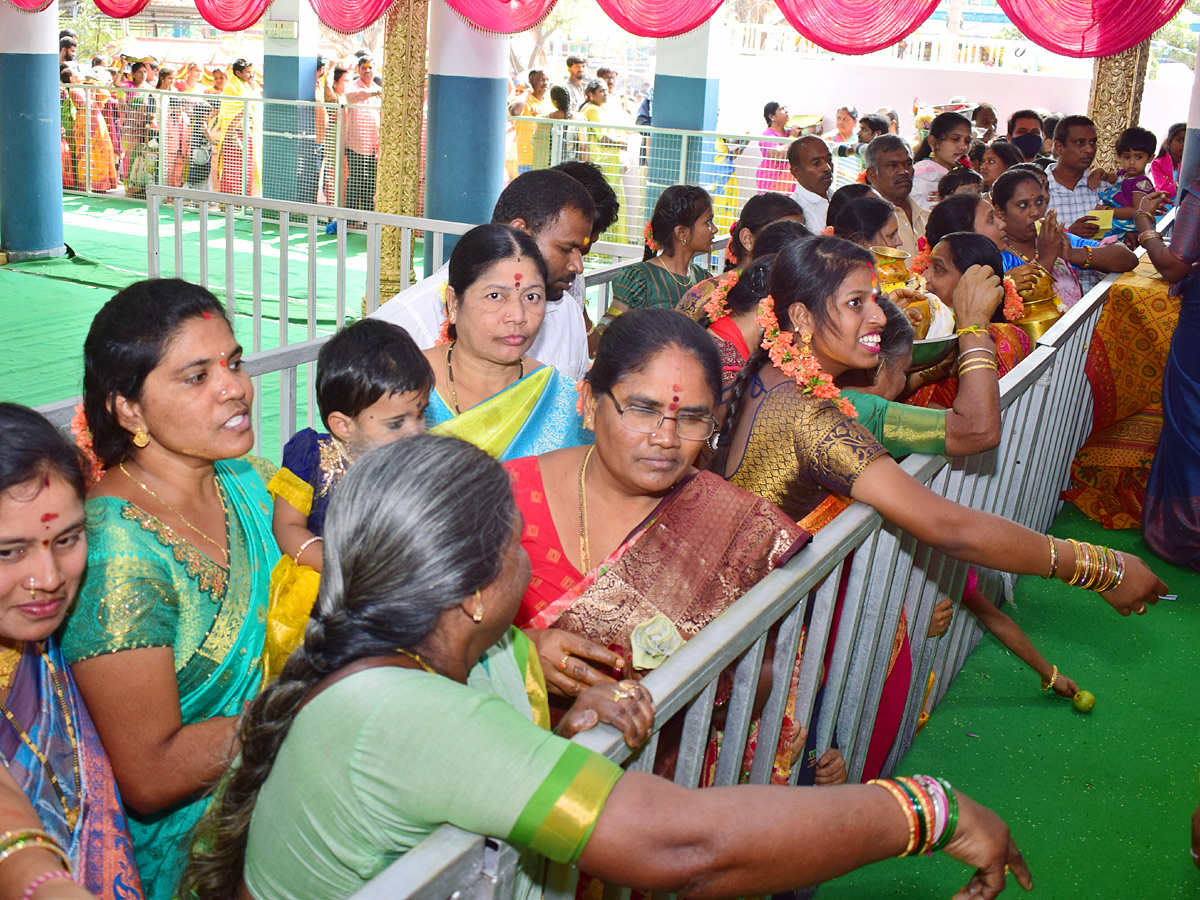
(648, 237)
(715, 308)
(94, 470)
(923, 259)
(731, 256)
(805, 368)
(1014, 307)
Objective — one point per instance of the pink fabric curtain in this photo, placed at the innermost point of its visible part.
(499, 16)
(232, 15)
(32, 6)
(121, 9)
(349, 16)
(1088, 28)
(856, 27)
(659, 18)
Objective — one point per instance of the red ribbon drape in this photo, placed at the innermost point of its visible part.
(856, 27)
(1087, 28)
(31, 6)
(349, 16)
(659, 18)
(499, 16)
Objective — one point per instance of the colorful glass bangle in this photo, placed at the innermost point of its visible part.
(951, 819)
(40, 841)
(1087, 263)
(32, 887)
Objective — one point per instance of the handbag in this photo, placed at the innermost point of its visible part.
(201, 154)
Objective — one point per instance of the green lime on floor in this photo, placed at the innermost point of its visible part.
(1085, 701)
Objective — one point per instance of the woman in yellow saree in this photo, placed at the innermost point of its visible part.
(487, 391)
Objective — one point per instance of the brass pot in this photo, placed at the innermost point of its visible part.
(1039, 316)
(892, 268)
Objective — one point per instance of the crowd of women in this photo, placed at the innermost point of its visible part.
(225, 678)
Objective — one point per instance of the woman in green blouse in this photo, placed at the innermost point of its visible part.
(413, 702)
(681, 227)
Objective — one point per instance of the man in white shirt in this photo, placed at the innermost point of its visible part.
(558, 212)
(812, 166)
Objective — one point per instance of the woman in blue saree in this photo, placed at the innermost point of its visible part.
(487, 391)
(1171, 508)
(166, 640)
(53, 760)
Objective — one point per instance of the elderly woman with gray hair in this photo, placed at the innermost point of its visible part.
(413, 703)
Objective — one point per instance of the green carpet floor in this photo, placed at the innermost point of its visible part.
(1100, 804)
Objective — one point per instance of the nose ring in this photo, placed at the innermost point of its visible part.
(33, 592)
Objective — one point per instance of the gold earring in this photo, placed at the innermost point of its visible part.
(806, 343)
(477, 616)
(140, 438)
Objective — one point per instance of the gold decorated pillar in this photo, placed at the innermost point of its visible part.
(1115, 100)
(399, 181)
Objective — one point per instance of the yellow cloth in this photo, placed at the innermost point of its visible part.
(292, 595)
(1125, 364)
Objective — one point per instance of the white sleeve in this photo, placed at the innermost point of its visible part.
(418, 309)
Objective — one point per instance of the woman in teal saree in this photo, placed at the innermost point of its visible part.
(167, 637)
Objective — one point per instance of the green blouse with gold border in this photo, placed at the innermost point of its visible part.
(902, 429)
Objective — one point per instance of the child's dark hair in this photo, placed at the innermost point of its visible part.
(1137, 140)
(678, 205)
(760, 211)
(1172, 132)
(366, 361)
(956, 178)
(841, 197)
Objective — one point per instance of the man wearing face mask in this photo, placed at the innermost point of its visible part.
(560, 214)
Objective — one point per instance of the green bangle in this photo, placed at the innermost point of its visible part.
(919, 809)
(952, 818)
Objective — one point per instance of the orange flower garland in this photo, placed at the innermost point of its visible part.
(648, 237)
(827, 231)
(922, 260)
(780, 346)
(715, 307)
(94, 470)
(1014, 307)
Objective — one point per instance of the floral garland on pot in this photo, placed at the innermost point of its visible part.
(715, 308)
(804, 367)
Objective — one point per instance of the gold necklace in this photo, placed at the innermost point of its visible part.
(415, 658)
(683, 281)
(10, 658)
(182, 517)
(585, 554)
(450, 376)
(70, 813)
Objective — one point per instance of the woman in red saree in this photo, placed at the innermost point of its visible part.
(629, 531)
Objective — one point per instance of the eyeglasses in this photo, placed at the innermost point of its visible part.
(641, 420)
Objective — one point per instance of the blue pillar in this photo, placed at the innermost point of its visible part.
(31, 221)
(685, 96)
(289, 72)
(464, 143)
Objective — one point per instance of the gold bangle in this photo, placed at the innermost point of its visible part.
(36, 840)
(1047, 685)
(910, 813)
(300, 551)
(963, 371)
(1074, 579)
(1053, 558)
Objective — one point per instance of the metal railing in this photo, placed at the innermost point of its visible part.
(877, 570)
(867, 570)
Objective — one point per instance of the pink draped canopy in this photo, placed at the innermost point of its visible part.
(1083, 28)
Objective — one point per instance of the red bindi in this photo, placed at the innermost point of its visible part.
(676, 388)
(222, 364)
(672, 407)
(46, 544)
(206, 315)
(49, 517)
(46, 483)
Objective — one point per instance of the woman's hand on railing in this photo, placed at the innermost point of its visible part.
(625, 705)
(982, 840)
(565, 660)
(1139, 587)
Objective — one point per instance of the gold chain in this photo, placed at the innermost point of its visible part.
(415, 658)
(681, 280)
(450, 376)
(70, 813)
(585, 554)
(182, 517)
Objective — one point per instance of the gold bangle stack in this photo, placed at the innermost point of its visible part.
(1047, 685)
(1097, 568)
(1053, 559)
(971, 365)
(1150, 235)
(31, 839)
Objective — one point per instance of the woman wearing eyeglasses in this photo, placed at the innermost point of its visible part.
(627, 529)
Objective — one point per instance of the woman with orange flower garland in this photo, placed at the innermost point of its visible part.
(681, 227)
(791, 439)
(760, 211)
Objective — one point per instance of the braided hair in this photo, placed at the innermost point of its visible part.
(808, 272)
(413, 528)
